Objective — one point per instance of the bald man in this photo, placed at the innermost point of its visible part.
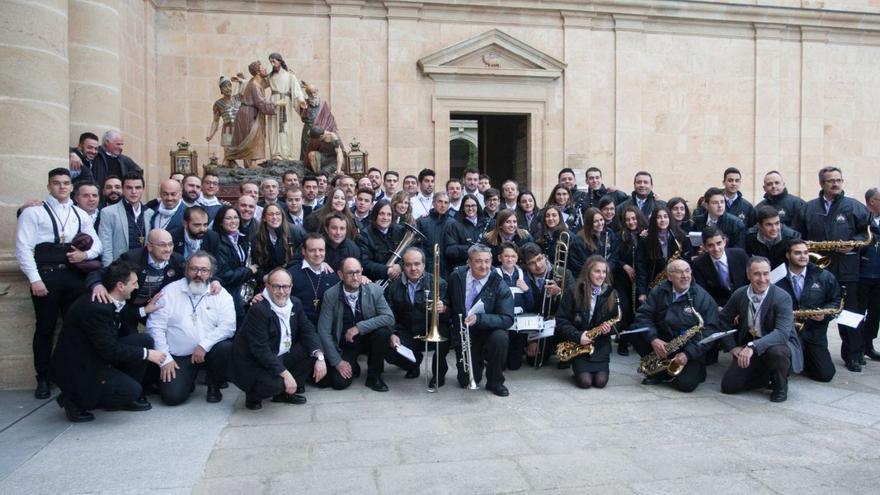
(667, 313)
(169, 211)
(157, 265)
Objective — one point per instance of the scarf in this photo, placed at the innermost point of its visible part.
(203, 201)
(283, 313)
(164, 215)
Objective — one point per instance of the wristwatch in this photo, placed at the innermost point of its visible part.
(320, 357)
(751, 345)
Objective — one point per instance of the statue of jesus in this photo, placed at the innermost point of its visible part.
(280, 129)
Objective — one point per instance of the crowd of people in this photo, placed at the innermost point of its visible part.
(291, 282)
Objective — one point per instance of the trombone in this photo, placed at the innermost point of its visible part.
(557, 275)
(432, 328)
(410, 237)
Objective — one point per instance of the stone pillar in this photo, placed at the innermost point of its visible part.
(95, 65)
(33, 140)
(577, 111)
(813, 67)
(768, 61)
(629, 34)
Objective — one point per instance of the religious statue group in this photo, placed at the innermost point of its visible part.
(259, 117)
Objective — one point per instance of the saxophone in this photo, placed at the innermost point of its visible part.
(249, 287)
(825, 261)
(652, 364)
(662, 275)
(568, 350)
(801, 315)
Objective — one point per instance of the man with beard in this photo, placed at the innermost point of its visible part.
(82, 157)
(194, 329)
(789, 206)
(87, 197)
(124, 226)
(310, 194)
(111, 191)
(194, 234)
(169, 212)
(208, 198)
(453, 190)
(279, 126)
(192, 189)
(339, 246)
(247, 208)
(316, 113)
(110, 161)
(470, 183)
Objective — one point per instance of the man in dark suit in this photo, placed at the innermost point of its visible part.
(409, 302)
(194, 235)
(765, 346)
(92, 364)
(110, 160)
(469, 285)
(720, 270)
(643, 195)
(355, 319)
(811, 287)
(312, 277)
(276, 348)
(715, 216)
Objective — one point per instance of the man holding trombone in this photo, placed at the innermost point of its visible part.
(482, 304)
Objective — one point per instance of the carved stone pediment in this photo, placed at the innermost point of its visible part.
(492, 54)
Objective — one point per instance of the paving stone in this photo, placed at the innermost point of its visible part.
(257, 460)
(473, 477)
(237, 485)
(354, 454)
(716, 484)
(569, 470)
(454, 447)
(334, 481)
(269, 435)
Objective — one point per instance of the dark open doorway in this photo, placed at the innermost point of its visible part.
(501, 149)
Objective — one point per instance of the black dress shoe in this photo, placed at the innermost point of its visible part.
(73, 412)
(873, 355)
(376, 383)
(413, 373)
(862, 360)
(253, 405)
(214, 394)
(854, 366)
(499, 390)
(780, 394)
(433, 382)
(623, 349)
(651, 380)
(43, 390)
(141, 404)
(284, 398)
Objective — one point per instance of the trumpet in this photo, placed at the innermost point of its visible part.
(467, 362)
(801, 315)
(824, 246)
(410, 237)
(566, 351)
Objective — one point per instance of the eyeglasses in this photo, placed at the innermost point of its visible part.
(280, 287)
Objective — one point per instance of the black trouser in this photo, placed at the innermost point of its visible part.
(869, 299)
(375, 345)
(852, 345)
(216, 360)
(121, 385)
(64, 286)
(693, 374)
(418, 349)
(817, 362)
(771, 367)
(489, 347)
(516, 348)
(298, 363)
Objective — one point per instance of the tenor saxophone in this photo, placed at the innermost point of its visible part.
(801, 315)
(568, 350)
(653, 364)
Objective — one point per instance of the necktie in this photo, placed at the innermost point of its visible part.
(352, 301)
(472, 295)
(798, 283)
(722, 274)
(412, 292)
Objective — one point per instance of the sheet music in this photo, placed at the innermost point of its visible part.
(849, 318)
(477, 309)
(406, 352)
(778, 273)
(548, 331)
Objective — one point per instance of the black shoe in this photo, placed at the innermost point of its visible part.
(854, 366)
(44, 389)
(433, 382)
(780, 394)
(651, 380)
(73, 412)
(253, 405)
(623, 349)
(214, 394)
(463, 379)
(413, 373)
(289, 398)
(563, 365)
(376, 383)
(862, 360)
(224, 385)
(355, 371)
(499, 390)
(873, 355)
(141, 404)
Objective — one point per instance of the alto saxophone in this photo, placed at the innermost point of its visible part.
(653, 364)
(801, 315)
(825, 261)
(662, 275)
(568, 350)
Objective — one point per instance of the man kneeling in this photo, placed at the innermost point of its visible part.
(276, 347)
(92, 365)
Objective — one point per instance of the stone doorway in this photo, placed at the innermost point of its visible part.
(501, 147)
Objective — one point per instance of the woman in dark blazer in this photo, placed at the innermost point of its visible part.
(233, 256)
(377, 243)
(664, 240)
(589, 304)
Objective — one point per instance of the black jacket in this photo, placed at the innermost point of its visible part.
(733, 228)
(790, 207)
(647, 208)
(376, 249)
(232, 271)
(608, 247)
(210, 243)
(572, 319)
(497, 301)
(87, 348)
(434, 227)
(255, 360)
(741, 208)
(666, 319)
(537, 292)
(335, 254)
(647, 269)
(774, 253)
(706, 275)
(409, 318)
(821, 291)
(593, 197)
(846, 220)
(460, 235)
(100, 168)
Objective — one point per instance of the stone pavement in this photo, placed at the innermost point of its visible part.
(548, 436)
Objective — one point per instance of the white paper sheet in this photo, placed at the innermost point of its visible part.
(849, 319)
(477, 309)
(406, 352)
(696, 238)
(548, 331)
(778, 273)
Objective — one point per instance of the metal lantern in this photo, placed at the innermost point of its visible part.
(183, 160)
(356, 160)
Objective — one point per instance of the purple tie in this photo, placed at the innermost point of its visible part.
(472, 295)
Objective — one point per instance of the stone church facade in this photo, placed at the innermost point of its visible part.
(682, 89)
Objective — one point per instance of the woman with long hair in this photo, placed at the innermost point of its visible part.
(632, 223)
(589, 304)
(273, 245)
(663, 242)
(377, 241)
(681, 214)
(599, 238)
(335, 202)
(560, 197)
(468, 229)
(549, 229)
(401, 208)
(608, 209)
(233, 254)
(506, 230)
(527, 211)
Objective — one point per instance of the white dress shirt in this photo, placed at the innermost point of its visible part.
(421, 205)
(35, 227)
(176, 333)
